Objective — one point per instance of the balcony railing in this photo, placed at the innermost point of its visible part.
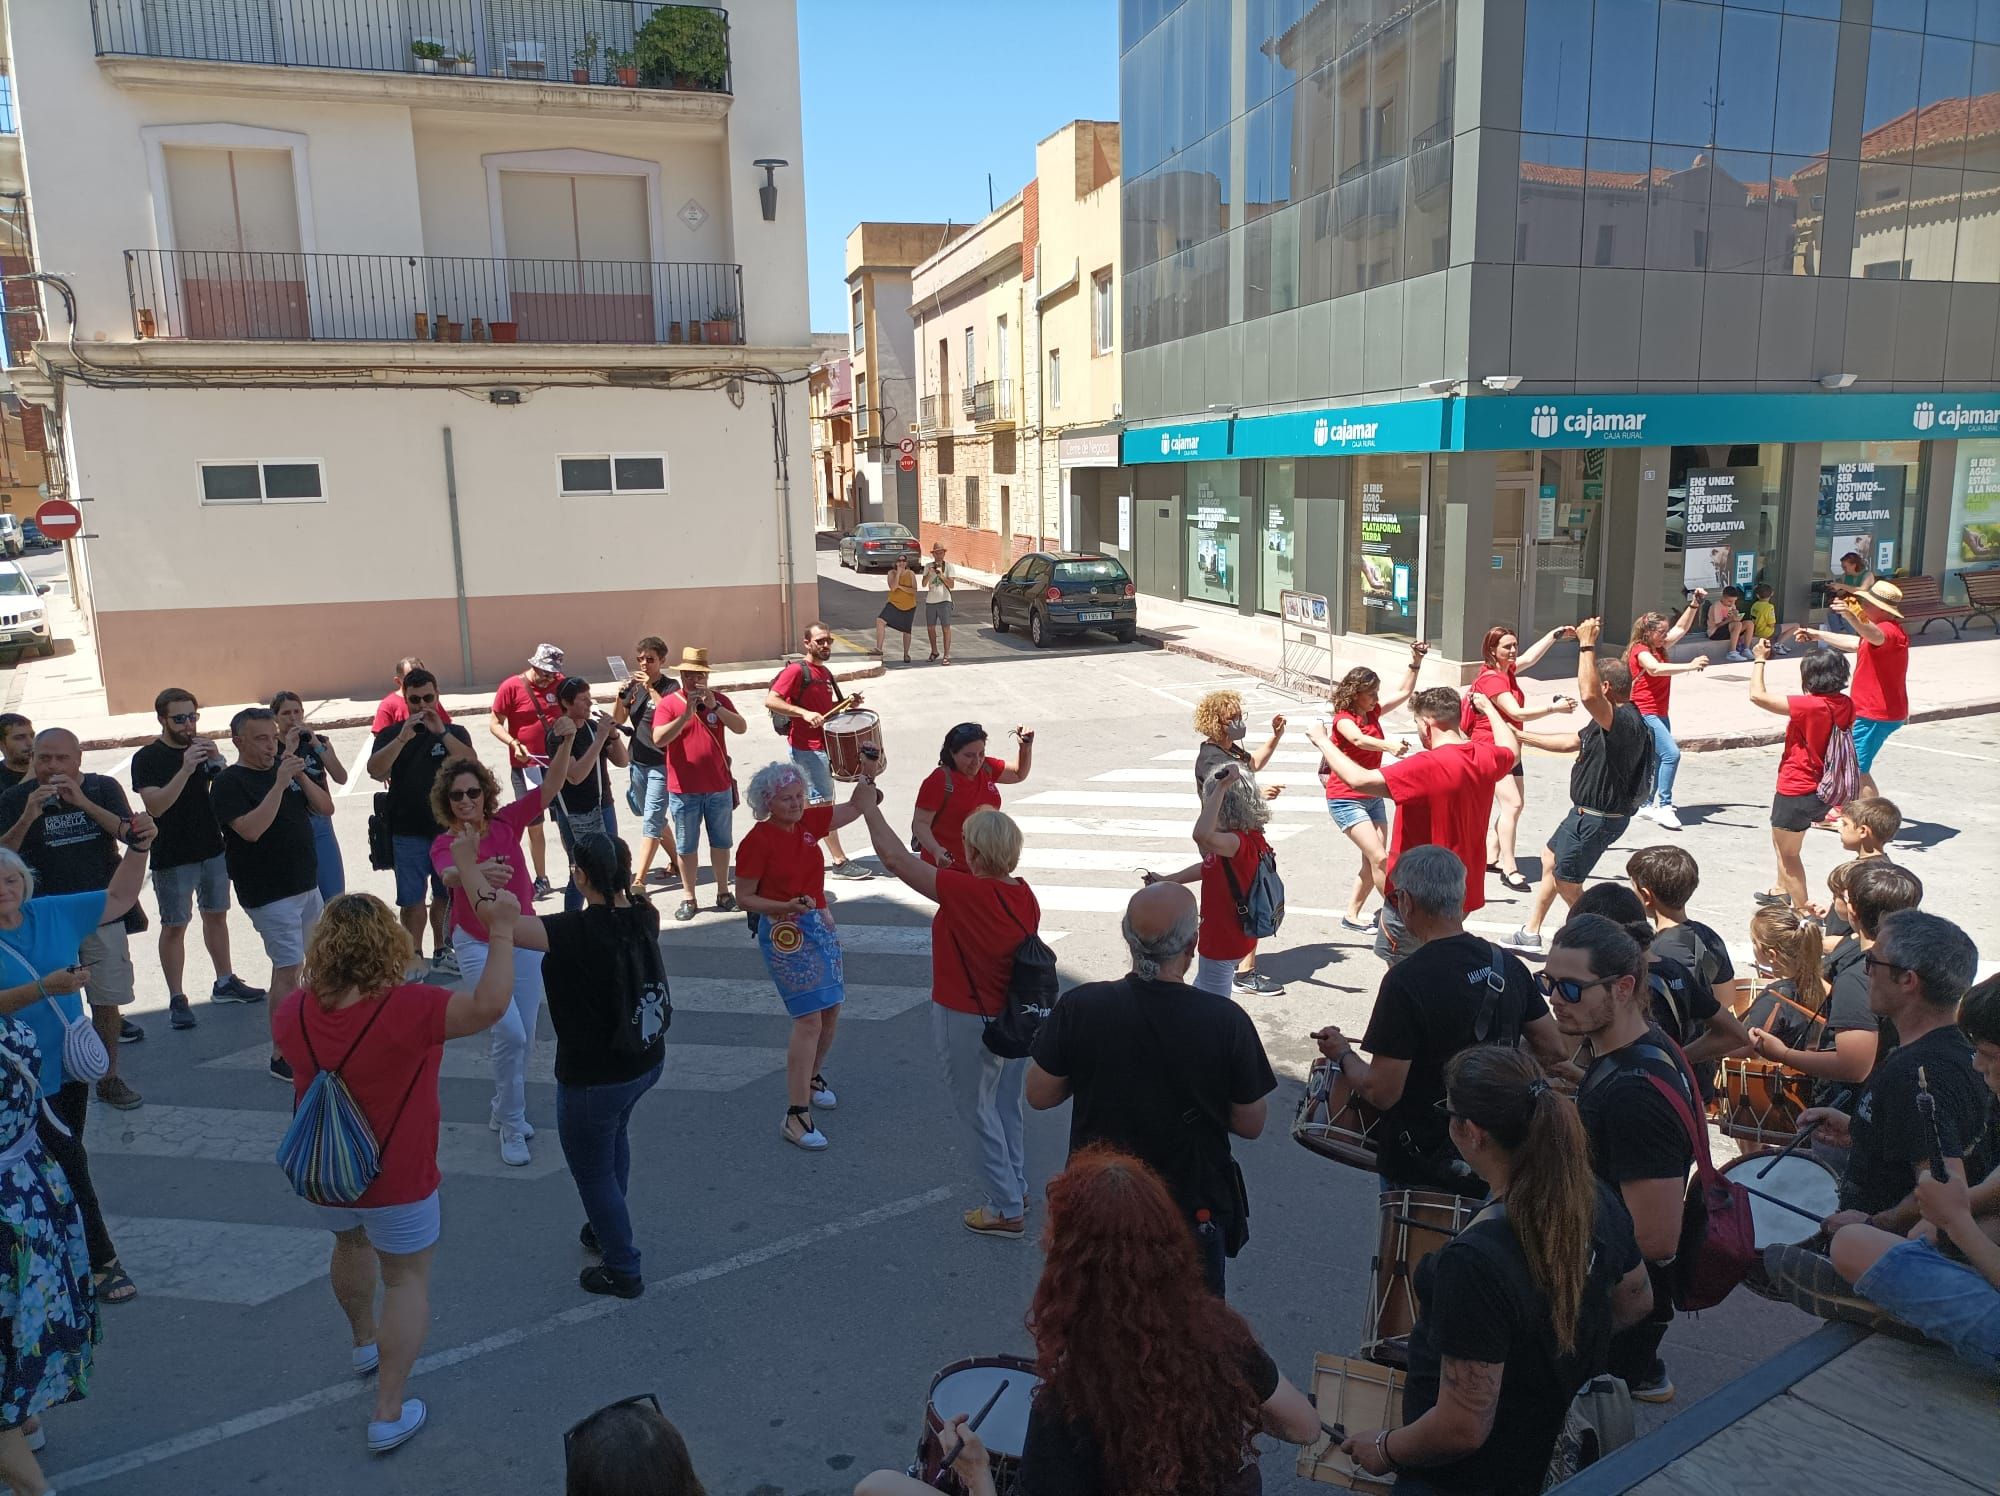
(991, 400)
(634, 43)
(233, 295)
(928, 416)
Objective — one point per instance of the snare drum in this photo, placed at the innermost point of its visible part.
(854, 746)
(1354, 1396)
(1415, 1223)
(1802, 1181)
(963, 1387)
(1760, 1101)
(1335, 1123)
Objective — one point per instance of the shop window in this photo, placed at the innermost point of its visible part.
(1214, 532)
(1870, 496)
(1384, 529)
(1975, 508)
(1278, 548)
(1723, 509)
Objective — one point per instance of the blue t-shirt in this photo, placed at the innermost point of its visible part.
(53, 929)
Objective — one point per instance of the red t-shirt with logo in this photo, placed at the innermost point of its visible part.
(1881, 672)
(1222, 937)
(814, 694)
(1808, 730)
(697, 761)
(1650, 693)
(1369, 726)
(527, 711)
(979, 922)
(1491, 682)
(954, 797)
(785, 860)
(399, 1057)
(1444, 798)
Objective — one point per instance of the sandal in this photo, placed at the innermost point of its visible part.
(1513, 879)
(808, 1137)
(114, 1285)
(687, 911)
(725, 903)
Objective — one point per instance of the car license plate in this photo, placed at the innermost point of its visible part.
(1094, 615)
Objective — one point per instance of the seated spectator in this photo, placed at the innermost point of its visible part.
(629, 1448)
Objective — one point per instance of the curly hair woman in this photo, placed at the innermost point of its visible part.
(1358, 709)
(386, 1037)
(1229, 834)
(1149, 1382)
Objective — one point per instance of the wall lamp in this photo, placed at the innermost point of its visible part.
(1501, 383)
(1835, 381)
(768, 193)
(1441, 386)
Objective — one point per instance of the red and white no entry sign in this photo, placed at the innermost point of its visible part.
(59, 519)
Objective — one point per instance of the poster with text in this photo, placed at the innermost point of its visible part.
(1860, 509)
(1976, 505)
(1720, 505)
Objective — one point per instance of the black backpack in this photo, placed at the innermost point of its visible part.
(1031, 992)
(1640, 789)
(645, 1007)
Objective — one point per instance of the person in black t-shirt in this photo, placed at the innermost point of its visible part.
(1121, 1288)
(1640, 1142)
(583, 805)
(265, 804)
(1665, 878)
(1456, 990)
(1683, 1005)
(646, 796)
(1918, 970)
(172, 775)
(407, 757)
(1510, 1327)
(17, 747)
(1160, 1069)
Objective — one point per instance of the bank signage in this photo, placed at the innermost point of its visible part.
(1192, 441)
(1099, 451)
(1408, 426)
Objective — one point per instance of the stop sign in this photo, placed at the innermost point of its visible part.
(59, 519)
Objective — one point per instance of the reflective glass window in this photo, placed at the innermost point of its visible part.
(1904, 15)
(1827, 9)
(1260, 70)
(1942, 101)
(1931, 238)
(1622, 45)
(1433, 72)
(1888, 107)
(1257, 153)
(1979, 207)
(1986, 21)
(1952, 18)
(1677, 210)
(1746, 85)
(1284, 147)
(1388, 78)
(1313, 119)
(1792, 227)
(1881, 213)
(1615, 203)
(1427, 218)
(1216, 43)
(1803, 122)
(1318, 249)
(1383, 539)
(1739, 201)
(1685, 96)
(1382, 247)
(1555, 69)
(1251, 251)
(1549, 214)
(1285, 258)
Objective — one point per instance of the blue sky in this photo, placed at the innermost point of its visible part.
(910, 103)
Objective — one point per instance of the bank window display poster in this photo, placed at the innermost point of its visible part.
(1861, 514)
(1720, 549)
(1214, 544)
(1386, 542)
(1975, 517)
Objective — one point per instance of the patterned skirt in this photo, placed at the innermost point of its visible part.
(802, 953)
(47, 1303)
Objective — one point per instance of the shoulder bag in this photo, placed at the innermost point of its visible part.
(1194, 1113)
(1012, 1028)
(84, 1056)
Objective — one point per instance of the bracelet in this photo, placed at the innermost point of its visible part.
(1382, 1452)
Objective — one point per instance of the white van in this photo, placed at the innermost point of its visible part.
(10, 535)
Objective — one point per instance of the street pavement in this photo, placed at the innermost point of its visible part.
(798, 1306)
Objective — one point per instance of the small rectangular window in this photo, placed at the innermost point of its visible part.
(613, 473)
(1055, 379)
(1101, 311)
(262, 483)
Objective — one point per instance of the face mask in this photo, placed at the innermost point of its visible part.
(1235, 729)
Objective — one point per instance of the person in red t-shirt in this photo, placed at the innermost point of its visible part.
(1811, 722)
(964, 781)
(1881, 669)
(806, 691)
(1653, 634)
(780, 879)
(689, 726)
(1358, 709)
(386, 1037)
(984, 913)
(523, 708)
(1229, 833)
(392, 710)
(1500, 680)
(1444, 797)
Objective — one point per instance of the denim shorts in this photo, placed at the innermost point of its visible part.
(690, 812)
(1949, 1301)
(1870, 733)
(811, 762)
(398, 1230)
(1350, 813)
(180, 889)
(286, 925)
(414, 873)
(649, 786)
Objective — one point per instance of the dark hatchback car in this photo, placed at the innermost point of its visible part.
(1050, 593)
(875, 547)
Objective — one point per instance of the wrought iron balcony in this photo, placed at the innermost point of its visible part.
(991, 402)
(629, 43)
(929, 418)
(232, 295)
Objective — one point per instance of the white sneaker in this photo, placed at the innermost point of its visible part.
(383, 1437)
(493, 1124)
(514, 1150)
(1665, 817)
(367, 1358)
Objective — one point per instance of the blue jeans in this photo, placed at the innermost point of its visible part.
(1949, 1301)
(811, 762)
(590, 1121)
(572, 895)
(332, 872)
(1670, 759)
(649, 789)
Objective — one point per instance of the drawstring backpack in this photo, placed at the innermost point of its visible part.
(329, 1152)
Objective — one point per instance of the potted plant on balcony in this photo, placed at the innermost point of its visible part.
(463, 61)
(625, 65)
(505, 332)
(584, 60)
(427, 52)
(721, 326)
(684, 46)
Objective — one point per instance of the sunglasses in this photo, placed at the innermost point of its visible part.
(423, 700)
(641, 1400)
(1870, 962)
(1569, 991)
(475, 793)
(180, 718)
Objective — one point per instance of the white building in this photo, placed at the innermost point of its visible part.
(417, 326)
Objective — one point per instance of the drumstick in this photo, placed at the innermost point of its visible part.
(1927, 1109)
(972, 1426)
(1789, 1149)
(1811, 1215)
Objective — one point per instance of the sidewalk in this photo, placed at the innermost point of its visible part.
(66, 690)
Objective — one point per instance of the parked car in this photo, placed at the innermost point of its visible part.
(32, 538)
(10, 535)
(1053, 593)
(24, 618)
(876, 545)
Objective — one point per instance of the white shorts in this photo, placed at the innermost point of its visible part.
(286, 925)
(398, 1230)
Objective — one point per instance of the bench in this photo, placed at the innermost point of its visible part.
(1982, 594)
(1923, 601)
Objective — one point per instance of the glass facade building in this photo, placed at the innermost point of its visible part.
(1371, 247)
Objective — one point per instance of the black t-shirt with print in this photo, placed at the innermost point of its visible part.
(584, 799)
(280, 863)
(1698, 948)
(1479, 1302)
(68, 850)
(1131, 1050)
(188, 828)
(583, 977)
(1428, 1009)
(1682, 1001)
(1890, 1138)
(1635, 1132)
(1060, 1457)
(412, 775)
(640, 705)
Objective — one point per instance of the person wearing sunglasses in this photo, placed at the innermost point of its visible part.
(1517, 1311)
(628, 1448)
(1595, 979)
(407, 755)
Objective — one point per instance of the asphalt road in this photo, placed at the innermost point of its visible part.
(798, 1306)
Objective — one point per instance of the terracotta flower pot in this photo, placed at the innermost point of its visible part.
(423, 325)
(579, 75)
(716, 332)
(628, 77)
(505, 332)
(673, 332)
(452, 330)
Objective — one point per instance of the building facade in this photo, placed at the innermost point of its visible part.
(1515, 312)
(830, 409)
(882, 343)
(1017, 352)
(441, 338)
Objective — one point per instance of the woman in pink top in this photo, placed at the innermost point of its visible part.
(466, 798)
(1500, 680)
(1653, 634)
(1358, 707)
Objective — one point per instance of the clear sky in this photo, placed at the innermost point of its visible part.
(910, 103)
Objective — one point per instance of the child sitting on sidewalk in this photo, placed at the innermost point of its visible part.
(1763, 625)
(1727, 621)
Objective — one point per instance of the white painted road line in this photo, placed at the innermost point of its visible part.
(660, 1299)
(855, 940)
(219, 1262)
(756, 996)
(690, 1067)
(1102, 828)
(1306, 756)
(1121, 859)
(1288, 777)
(1160, 800)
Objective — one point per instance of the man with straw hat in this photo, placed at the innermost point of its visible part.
(688, 727)
(1881, 671)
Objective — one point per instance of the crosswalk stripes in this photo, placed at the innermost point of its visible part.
(690, 1067)
(219, 1262)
